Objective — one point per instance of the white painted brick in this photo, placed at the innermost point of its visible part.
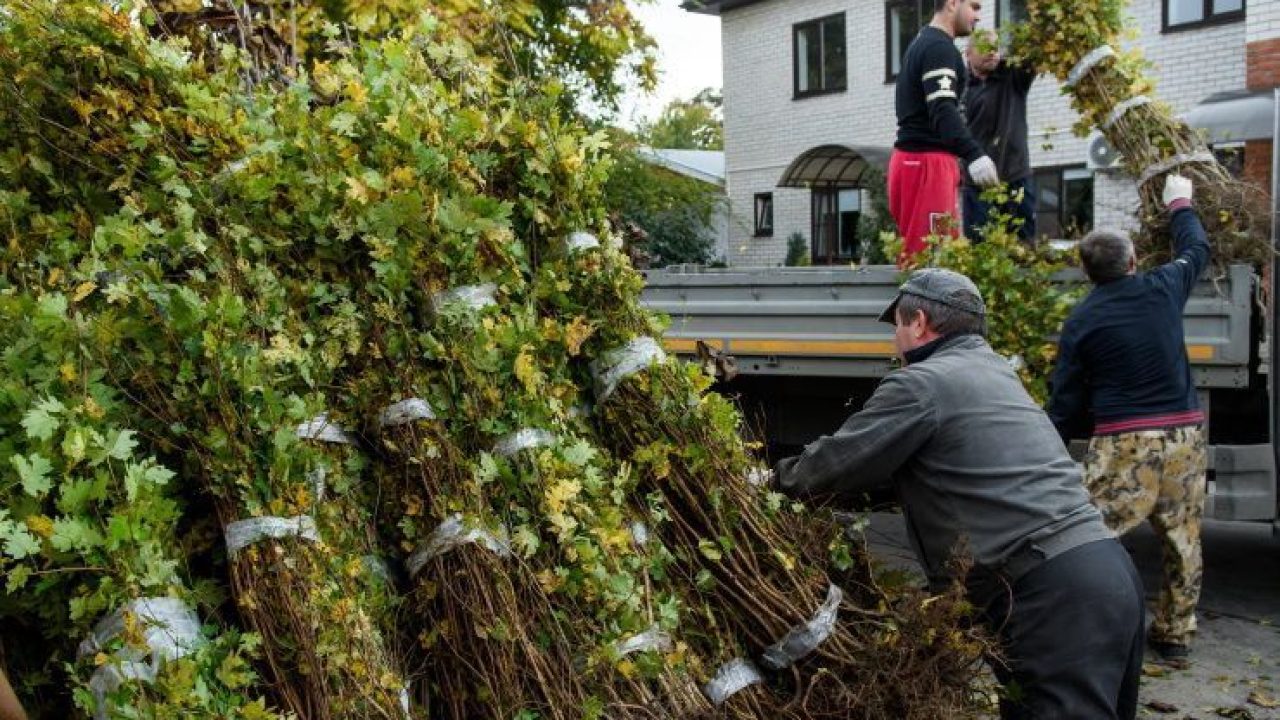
(765, 129)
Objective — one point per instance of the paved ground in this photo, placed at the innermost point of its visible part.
(1235, 662)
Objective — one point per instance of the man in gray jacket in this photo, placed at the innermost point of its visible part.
(980, 470)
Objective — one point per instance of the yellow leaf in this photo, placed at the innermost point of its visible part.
(526, 370)
(576, 334)
(55, 275)
(83, 290)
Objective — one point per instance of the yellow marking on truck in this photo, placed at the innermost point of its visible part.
(683, 345)
(1200, 352)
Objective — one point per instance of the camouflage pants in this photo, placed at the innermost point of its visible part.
(1157, 475)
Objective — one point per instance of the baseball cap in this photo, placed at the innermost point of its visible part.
(940, 285)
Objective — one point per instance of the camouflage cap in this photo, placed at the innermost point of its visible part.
(944, 286)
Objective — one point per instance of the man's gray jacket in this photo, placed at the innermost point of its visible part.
(977, 464)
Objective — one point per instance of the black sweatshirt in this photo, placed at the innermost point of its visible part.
(996, 109)
(1122, 358)
(932, 80)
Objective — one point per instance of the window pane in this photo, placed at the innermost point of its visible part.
(904, 23)
(1226, 6)
(803, 42)
(1185, 11)
(1012, 11)
(1077, 211)
(850, 200)
(833, 53)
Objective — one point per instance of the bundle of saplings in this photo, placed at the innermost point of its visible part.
(1080, 43)
(319, 346)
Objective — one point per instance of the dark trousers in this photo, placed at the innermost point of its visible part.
(1072, 632)
(977, 213)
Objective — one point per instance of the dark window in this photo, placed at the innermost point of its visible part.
(764, 214)
(1188, 14)
(820, 65)
(903, 19)
(1064, 202)
(835, 214)
(1231, 157)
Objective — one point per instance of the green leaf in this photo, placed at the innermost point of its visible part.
(39, 422)
(18, 577)
(18, 543)
(120, 445)
(709, 550)
(33, 472)
(74, 534)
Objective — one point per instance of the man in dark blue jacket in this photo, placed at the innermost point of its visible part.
(1122, 375)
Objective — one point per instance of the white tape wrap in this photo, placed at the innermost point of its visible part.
(170, 630)
(405, 412)
(652, 639)
(1087, 63)
(453, 533)
(804, 639)
(613, 366)
(1119, 110)
(730, 679)
(639, 533)
(1164, 166)
(468, 297)
(320, 428)
(243, 533)
(580, 241)
(523, 440)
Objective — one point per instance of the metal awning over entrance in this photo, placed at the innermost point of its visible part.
(1234, 116)
(835, 166)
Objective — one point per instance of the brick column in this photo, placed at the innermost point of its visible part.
(1262, 72)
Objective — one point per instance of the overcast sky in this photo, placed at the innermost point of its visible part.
(688, 57)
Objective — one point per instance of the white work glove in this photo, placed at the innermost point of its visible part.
(983, 172)
(1176, 187)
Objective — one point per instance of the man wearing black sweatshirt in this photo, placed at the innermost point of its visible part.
(1122, 375)
(924, 180)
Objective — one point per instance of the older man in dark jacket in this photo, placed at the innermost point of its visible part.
(981, 470)
(1123, 378)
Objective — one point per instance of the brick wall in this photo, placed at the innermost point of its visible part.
(765, 129)
(1262, 62)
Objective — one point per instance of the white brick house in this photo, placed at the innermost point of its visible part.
(776, 107)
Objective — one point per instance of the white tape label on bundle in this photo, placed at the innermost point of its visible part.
(318, 480)
(405, 412)
(523, 440)
(804, 639)
(731, 678)
(1164, 166)
(470, 297)
(640, 533)
(652, 639)
(322, 429)
(613, 366)
(579, 241)
(170, 629)
(1087, 63)
(450, 534)
(376, 567)
(243, 533)
(1124, 107)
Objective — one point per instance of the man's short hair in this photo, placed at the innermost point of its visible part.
(942, 319)
(939, 5)
(1105, 255)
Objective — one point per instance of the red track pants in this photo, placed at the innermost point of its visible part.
(923, 192)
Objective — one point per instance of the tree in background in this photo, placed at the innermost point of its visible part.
(693, 124)
(667, 217)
